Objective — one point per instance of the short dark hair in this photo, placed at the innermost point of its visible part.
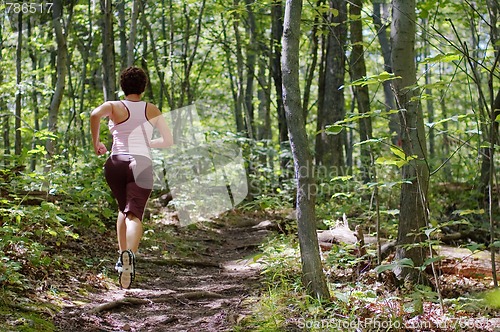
(133, 80)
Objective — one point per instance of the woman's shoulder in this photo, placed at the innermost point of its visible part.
(152, 109)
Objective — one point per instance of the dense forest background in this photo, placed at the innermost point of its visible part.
(401, 120)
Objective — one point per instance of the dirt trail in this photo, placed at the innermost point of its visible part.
(200, 292)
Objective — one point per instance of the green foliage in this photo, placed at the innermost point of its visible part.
(23, 321)
(45, 211)
(492, 298)
(280, 258)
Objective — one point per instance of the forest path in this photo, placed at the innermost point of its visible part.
(202, 291)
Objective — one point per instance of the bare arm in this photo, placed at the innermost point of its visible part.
(159, 123)
(97, 114)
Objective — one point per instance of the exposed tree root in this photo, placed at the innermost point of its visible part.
(118, 303)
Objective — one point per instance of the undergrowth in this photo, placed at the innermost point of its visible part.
(42, 216)
(364, 302)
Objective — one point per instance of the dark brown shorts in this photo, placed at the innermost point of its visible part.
(131, 181)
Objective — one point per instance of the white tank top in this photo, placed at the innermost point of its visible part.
(133, 135)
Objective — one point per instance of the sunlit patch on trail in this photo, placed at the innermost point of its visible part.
(204, 170)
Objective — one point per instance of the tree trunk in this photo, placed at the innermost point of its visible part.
(333, 145)
(394, 125)
(263, 128)
(276, 33)
(311, 70)
(122, 23)
(358, 71)
(415, 174)
(133, 33)
(34, 96)
(250, 65)
(318, 146)
(156, 61)
(238, 119)
(239, 101)
(491, 131)
(85, 49)
(108, 51)
(312, 272)
(148, 93)
(3, 105)
(428, 91)
(19, 53)
(61, 68)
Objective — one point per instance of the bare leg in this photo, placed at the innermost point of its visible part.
(134, 232)
(121, 231)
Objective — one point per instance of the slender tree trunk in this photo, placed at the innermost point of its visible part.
(415, 175)
(428, 91)
(108, 51)
(19, 53)
(3, 105)
(133, 33)
(156, 60)
(250, 65)
(34, 96)
(445, 143)
(238, 119)
(165, 52)
(312, 272)
(311, 70)
(390, 104)
(263, 130)
(240, 94)
(358, 71)
(333, 145)
(318, 146)
(276, 33)
(491, 131)
(145, 51)
(85, 49)
(173, 103)
(61, 66)
(122, 33)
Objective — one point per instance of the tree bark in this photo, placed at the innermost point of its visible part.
(358, 71)
(415, 175)
(133, 33)
(318, 146)
(61, 68)
(490, 131)
(108, 51)
(122, 23)
(311, 70)
(333, 145)
(312, 272)
(19, 60)
(263, 128)
(250, 65)
(3, 105)
(238, 120)
(276, 33)
(385, 46)
(34, 96)
(239, 101)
